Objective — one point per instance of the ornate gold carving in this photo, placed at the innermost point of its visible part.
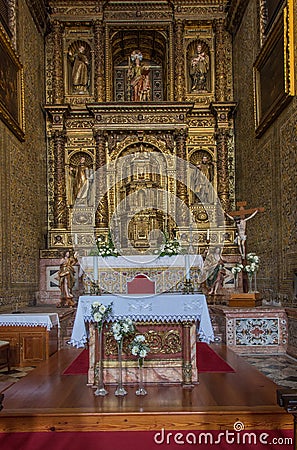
(179, 61)
(12, 20)
(223, 173)
(263, 20)
(235, 14)
(60, 205)
(223, 85)
(99, 81)
(58, 80)
(181, 151)
(101, 160)
(187, 373)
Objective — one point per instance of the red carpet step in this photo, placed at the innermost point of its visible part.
(207, 361)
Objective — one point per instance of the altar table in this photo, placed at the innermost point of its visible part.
(169, 322)
(113, 273)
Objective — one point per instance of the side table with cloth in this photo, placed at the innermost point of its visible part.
(169, 322)
(33, 337)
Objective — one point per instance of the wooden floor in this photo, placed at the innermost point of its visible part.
(47, 400)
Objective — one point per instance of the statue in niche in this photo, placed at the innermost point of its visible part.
(138, 76)
(199, 69)
(81, 178)
(80, 68)
(201, 181)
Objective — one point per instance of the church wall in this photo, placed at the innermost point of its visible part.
(266, 170)
(22, 172)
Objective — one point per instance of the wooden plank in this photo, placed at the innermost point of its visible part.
(46, 400)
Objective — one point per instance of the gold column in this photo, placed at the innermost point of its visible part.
(108, 94)
(179, 61)
(58, 85)
(99, 61)
(101, 219)
(224, 126)
(60, 203)
(187, 363)
(181, 187)
(223, 83)
(223, 172)
(171, 64)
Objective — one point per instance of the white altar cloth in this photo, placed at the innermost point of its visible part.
(165, 308)
(139, 261)
(48, 320)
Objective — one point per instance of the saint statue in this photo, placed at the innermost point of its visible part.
(81, 179)
(66, 279)
(199, 68)
(138, 76)
(201, 181)
(80, 70)
(214, 271)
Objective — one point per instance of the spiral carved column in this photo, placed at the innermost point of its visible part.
(99, 61)
(179, 61)
(223, 170)
(171, 64)
(101, 219)
(60, 202)
(181, 186)
(224, 84)
(58, 84)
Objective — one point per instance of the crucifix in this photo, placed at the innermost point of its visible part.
(240, 218)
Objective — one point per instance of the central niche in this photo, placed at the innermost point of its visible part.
(139, 66)
(141, 214)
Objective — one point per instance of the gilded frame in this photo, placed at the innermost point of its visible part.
(11, 87)
(274, 73)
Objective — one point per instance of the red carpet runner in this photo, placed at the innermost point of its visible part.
(149, 440)
(207, 361)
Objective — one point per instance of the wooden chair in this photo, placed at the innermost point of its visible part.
(5, 354)
(141, 284)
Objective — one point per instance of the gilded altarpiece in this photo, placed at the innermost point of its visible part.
(125, 82)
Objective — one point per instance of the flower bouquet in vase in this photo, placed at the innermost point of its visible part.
(236, 271)
(140, 349)
(121, 329)
(100, 313)
(251, 270)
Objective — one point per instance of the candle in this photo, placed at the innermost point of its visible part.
(187, 266)
(207, 234)
(95, 268)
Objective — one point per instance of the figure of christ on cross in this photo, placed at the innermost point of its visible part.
(240, 218)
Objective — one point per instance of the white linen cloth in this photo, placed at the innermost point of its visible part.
(161, 308)
(48, 320)
(139, 261)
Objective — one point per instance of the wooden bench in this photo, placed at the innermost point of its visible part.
(5, 354)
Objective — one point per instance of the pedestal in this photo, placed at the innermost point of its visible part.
(248, 300)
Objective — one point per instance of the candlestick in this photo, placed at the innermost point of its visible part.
(95, 268)
(187, 266)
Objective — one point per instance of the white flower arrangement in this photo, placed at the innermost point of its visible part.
(122, 328)
(171, 247)
(106, 248)
(252, 258)
(236, 270)
(251, 268)
(100, 313)
(139, 347)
